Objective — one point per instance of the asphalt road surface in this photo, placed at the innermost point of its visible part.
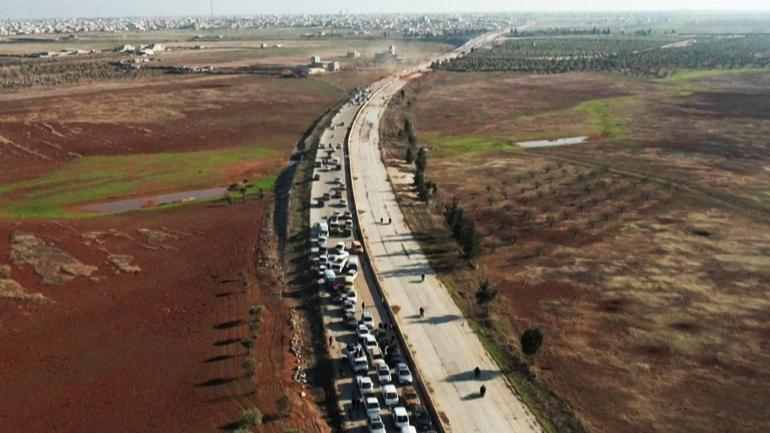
(341, 334)
(444, 347)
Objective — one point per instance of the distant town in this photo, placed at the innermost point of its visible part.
(410, 25)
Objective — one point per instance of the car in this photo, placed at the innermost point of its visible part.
(362, 331)
(369, 341)
(337, 180)
(400, 418)
(351, 296)
(390, 395)
(375, 354)
(367, 319)
(339, 247)
(322, 145)
(352, 349)
(421, 418)
(403, 374)
(409, 396)
(408, 429)
(350, 319)
(349, 307)
(376, 425)
(343, 203)
(394, 357)
(383, 372)
(360, 364)
(327, 196)
(372, 407)
(316, 176)
(322, 242)
(321, 202)
(365, 386)
(357, 248)
(339, 145)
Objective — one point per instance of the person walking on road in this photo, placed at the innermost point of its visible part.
(483, 391)
(422, 278)
(331, 341)
(422, 312)
(477, 372)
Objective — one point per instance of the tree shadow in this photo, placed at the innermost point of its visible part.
(217, 358)
(226, 342)
(215, 382)
(228, 324)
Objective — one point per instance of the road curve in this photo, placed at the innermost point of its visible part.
(444, 347)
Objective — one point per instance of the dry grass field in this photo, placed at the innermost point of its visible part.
(134, 322)
(641, 254)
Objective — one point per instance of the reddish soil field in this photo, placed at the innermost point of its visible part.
(173, 114)
(153, 351)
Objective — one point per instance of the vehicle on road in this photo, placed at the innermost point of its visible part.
(327, 196)
(367, 319)
(421, 418)
(390, 395)
(400, 418)
(403, 374)
(383, 372)
(349, 307)
(357, 248)
(409, 396)
(369, 342)
(376, 425)
(351, 296)
(322, 242)
(350, 319)
(408, 429)
(362, 332)
(352, 349)
(365, 386)
(343, 203)
(372, 407)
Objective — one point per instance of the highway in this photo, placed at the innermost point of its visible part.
(341, 333)
(444, 347)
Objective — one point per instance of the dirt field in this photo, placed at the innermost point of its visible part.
(156, 350)
(649, 291)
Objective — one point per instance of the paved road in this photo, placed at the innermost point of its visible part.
(333, 318)
(445, 348)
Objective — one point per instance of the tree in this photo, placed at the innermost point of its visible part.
(284, 404)
(409, 155)
(251, 417)
(422, 159)
(485, 294)
(256, 310)
(250, 365)
(470, 241)
(248, 344)
(531, 340)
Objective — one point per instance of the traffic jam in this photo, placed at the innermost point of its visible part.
(374, 382)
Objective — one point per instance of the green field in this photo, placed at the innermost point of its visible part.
(102, 178)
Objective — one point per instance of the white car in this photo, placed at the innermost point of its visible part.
(400, 418)
(322, 242)
(351, 296)
(383, 372)
(372, 407)
(362, 331)
(365, 386)
(404, 375)
(390, 395)
(367, 319)
(369, 341)
(352, 349)
(340, 247)
(376, 425)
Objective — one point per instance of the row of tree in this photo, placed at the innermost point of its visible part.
(643, 56)
(463, 229)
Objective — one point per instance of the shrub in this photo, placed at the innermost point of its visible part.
(283, 403)
(256, 310)
(251, 417)
(485, 294)
(250, 365)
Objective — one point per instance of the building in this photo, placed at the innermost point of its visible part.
(317, 66)
(389, 56)
(353, 54)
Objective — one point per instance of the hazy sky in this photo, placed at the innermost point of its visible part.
(15, 9)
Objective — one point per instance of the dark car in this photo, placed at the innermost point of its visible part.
(421, 418)
(394, 357)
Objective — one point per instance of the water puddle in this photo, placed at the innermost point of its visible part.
(153, 200)
(550, 143)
